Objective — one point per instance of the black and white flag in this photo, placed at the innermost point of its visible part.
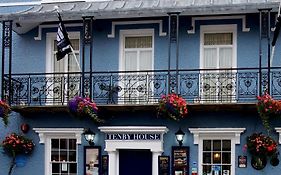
(277, 30)
(63, 42)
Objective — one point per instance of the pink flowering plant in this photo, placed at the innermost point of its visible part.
(5, 110)
(267, 108)
(172, 106)
(84, 107)
(261, 145)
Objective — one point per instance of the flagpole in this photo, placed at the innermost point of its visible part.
(71, 48)
(273, 47)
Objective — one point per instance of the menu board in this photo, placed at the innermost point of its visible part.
(180, 160)
(164, 165)
(104, 162)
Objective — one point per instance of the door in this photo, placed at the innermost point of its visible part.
(136, 55)
(65, 84)
(135, 162)
(218, 52)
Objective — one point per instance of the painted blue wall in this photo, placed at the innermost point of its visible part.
(247, 119)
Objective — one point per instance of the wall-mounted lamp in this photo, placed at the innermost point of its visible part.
(89, 136)
(24, 128)
(179, 136)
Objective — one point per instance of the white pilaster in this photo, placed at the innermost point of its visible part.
(112, 169)
(155, 162)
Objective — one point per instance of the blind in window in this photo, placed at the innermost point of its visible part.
(138, 42)
(218, 39)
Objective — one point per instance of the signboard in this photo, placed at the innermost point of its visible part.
(133, 136)
(242, 161)
(164, 165)
(180, 160)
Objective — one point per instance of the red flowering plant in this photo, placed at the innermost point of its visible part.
(261, 146)
(84, 107)
(268, 108)
(172, 106)
(5, 110)
(15, 144)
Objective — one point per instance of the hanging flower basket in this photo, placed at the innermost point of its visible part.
(172, 106)
(5, 110)
(84, 108)
(261, 147)
(18, 147)
(268, 108)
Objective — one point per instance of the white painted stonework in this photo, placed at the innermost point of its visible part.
(112, 146)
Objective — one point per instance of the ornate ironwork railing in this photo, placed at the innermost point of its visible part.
(143, 87)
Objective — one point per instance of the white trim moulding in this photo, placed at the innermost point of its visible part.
(11, 4)
(193, 19)
(41, 27)
(279, 133)
(114, 23)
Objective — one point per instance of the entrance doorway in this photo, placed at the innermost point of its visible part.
(135, 162)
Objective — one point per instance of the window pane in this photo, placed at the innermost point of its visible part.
(63, 156)
(206, 145)
(226, 159)
(72, 144)
(55, 167)
(207, 169)
(206, 157)
(55, 156)
(55, 143)
(210, 58)
(75, 44)
(225, 60)
(138, 42)
(218, 39)
(63, 143)
(216, 157)
(217, 145)
(130, 60)
(72, 168)
(145, 60)
(226, 169)
(226, 145)
(72, 156)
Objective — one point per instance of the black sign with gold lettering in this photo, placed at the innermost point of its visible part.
(164, 165)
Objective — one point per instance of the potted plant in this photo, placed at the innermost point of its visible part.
(17, 146)
(268, 108)
(261, 147)
(172, 106)
(5, 110)
(84, 107)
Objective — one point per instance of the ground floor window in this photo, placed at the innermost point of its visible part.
(61, 149)
(216, 149)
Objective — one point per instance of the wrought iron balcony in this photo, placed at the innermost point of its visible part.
(143, 87)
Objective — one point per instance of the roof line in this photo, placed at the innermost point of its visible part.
(12, 4)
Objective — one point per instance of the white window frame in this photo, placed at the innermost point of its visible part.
(45, 136)
(133, 33)
(229, 28)
(201, 134)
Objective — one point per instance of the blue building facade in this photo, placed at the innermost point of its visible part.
(217, 55)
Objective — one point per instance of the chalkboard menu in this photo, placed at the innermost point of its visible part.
(104, 164)
(164, 165)
(180, 160)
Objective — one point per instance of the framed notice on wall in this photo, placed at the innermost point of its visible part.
(180, 160)
(164, 165)
(92, 160)
(104, 165)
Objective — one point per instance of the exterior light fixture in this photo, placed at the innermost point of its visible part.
(89, 136)
(179, 136)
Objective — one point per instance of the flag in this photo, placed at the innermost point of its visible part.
(63, 42)
(277, 30)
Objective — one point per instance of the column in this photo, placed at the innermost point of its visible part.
(155, 162)
(112, 163)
